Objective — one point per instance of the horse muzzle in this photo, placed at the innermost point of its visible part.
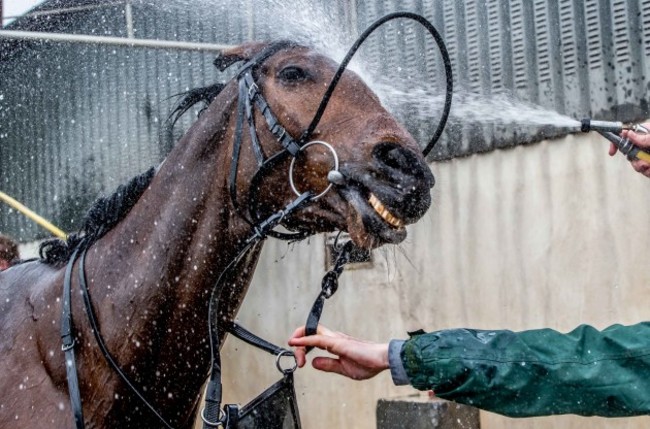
(390, 193)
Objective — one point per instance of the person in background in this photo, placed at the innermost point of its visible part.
(537, 372)
(8, 252)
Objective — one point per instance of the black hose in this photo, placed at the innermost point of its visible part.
(337, 76)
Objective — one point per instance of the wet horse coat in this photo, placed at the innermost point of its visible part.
(150, 275)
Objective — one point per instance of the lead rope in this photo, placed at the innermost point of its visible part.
(329, 286)
(212, 414)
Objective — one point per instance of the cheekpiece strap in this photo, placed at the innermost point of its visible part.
(280, 133)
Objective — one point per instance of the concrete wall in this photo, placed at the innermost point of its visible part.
(548, 235)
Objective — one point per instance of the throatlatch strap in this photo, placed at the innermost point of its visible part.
(68, 343)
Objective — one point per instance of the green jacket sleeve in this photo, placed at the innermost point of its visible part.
(538, 372)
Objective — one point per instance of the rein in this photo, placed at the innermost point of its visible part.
(249, 96)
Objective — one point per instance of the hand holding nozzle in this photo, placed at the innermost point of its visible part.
(626, 147)
(629, 139)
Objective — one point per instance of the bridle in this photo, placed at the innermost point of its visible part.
(249, 98)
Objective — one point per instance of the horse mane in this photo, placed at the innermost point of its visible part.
(104, 214)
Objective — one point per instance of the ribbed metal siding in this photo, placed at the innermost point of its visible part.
(77, 120)
(577, 57)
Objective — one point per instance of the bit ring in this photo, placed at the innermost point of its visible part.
(293, 161)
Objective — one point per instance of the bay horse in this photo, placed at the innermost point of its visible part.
(155, 248)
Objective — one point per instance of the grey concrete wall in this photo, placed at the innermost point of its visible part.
(548, 235)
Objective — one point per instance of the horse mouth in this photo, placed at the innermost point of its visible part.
(384, 213)
(371, 222)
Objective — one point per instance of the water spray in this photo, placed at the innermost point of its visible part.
(612, 130)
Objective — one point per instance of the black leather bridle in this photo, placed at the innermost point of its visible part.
(250, 98)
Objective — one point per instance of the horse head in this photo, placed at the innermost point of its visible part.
(384, 182)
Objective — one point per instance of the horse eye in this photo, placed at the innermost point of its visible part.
(293, 74)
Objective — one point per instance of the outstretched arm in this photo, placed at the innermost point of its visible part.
(356, 359)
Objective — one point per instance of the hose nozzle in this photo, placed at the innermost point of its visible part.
(587, 125)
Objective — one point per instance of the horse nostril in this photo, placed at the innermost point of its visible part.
(394, 156)
(403, 160)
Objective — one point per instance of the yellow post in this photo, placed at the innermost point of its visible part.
(33, 216)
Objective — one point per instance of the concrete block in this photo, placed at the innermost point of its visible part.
(422, 412)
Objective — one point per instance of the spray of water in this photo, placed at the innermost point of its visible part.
(314, 23)
(495, 109)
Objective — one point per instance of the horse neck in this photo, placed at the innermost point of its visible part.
(183, 231)
(154, 272)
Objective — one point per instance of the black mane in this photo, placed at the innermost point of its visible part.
(106, 212)
(103, 215)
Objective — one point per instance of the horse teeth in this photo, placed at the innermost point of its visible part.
(383, 212)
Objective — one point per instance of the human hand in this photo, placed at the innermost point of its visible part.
(356, 359)
(640, 140)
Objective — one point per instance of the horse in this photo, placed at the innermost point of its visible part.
(155, 247)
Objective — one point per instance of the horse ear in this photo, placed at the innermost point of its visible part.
(238, 53)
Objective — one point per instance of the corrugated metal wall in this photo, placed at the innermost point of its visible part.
(582, 58)
(77, 120)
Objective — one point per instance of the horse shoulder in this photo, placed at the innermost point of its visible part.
(28, 303)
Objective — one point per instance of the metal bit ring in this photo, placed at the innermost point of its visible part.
(293, 161)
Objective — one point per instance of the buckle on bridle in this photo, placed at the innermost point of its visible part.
(253, 90)
(65, 347)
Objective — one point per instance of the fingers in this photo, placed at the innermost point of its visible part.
(301, 356)
(300, 332)
(641, 140)
(300, 342)
(320, 341)
(612, 149)
(328, 365)
(641, 167)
